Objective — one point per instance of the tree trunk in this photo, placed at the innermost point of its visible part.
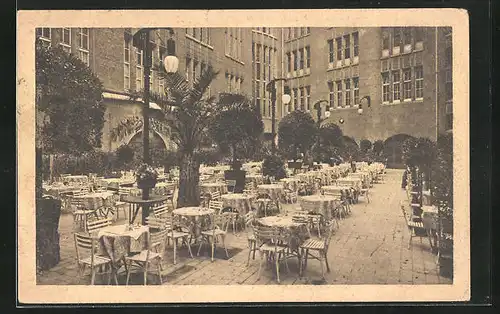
(188, 182)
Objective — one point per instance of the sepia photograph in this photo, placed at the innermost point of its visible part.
(280, 161)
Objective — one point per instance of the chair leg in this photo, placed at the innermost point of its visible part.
(260, 264)
(199, 248)
(250, 247)
(146, 273)
(276, 261)
(322, 266)
(159, 272)
(224, 244)
(188, 244)
(92, 280)
(175, 251)
(326, 261)
(213, 247)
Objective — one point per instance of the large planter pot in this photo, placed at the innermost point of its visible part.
(146, 186)
(48, 211)
(239, 176)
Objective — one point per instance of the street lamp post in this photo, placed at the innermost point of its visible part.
(141, 40)
(317, 106)
(271, 87)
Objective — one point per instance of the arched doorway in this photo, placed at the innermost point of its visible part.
(393, 150)
(157, 148)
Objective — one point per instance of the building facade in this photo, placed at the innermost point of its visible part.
(405, 71)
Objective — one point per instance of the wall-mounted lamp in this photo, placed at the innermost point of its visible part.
(368, 102)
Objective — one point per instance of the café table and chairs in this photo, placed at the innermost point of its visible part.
(279, 238)
(275, 192)
(322, 207)
(136, 203)
(211, 187)
(193, 221)
(239, 204)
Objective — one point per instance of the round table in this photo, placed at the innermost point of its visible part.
(291, 183)
(320, 204)
(254, 179)
(213, 187)
(136, 202)
(298, 230)
(97, 200)
(273, 190)
(351, 181)
(239, 202)
(196, 218)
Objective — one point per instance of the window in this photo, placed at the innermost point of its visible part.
(308, 56)
(302, 98)
(385, 40)
(386, 89)
(419, 83)
(295, 60)
(126, 63)
(151, 80)
(347, 48)
(139, 74)
(339, 94)
(187, 71)
(289, 62)
(45, 35)
(66, 39)
(355, 40)
(295, 98)
(195, 70)
(44, 32)
(83, 45)
(257, 62)
(264, 62)
(448, 58)
(407, 36)
(407, 84)
(331, 94)
(347, 84)
(331, 52)
(301, 59)
(355, 83)
(396, 95)
(339, 48)
(419, 34)
(449, 84)
(269, 59)
(397, 37)
(308, 97)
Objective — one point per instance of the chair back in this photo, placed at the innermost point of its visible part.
(155, 222)
(215, 205)
(158, 238)
(405, 214)
(95, 225)
(249, 218)
(215, 196)
(328, 232)
(231, 184)
(160, 210)
(220, 221)
(265, 234)
(80, 192)
(87, 244)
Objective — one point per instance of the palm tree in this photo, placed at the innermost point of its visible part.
(186, 113)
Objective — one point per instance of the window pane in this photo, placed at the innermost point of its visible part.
(347, 49)
(308, 54)
(339, 48)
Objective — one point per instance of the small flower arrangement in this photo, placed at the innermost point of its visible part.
(146, 176)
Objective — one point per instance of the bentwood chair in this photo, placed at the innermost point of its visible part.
(270, 243)
(86, 256)
(319, 245)
(216, 234)
(252, 243)
(147, 258)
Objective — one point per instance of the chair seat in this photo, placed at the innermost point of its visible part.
(251, 237)
(313, 244)
(178, 234)
(212, 232)
(142, 257)
(83, 211)
(416, 224)
(272, 247)
(98, 260)
(119, 203)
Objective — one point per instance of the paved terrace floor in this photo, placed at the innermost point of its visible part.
(370, 247)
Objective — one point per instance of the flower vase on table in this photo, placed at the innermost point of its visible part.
(146, 177)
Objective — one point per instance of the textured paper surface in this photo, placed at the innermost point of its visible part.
(29, 292)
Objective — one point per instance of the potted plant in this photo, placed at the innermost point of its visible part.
(237, 130)
(146, 178)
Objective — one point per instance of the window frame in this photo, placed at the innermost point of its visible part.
(307, 52)
(66, 45)
(340, 93)
(331, 51)
(407, 85)
(355, 43)
(386, 85)
(126, 63)
(396, 84)
(139, 70)
(82, 51)
(347, 46)
(347, 90)
(331, 94)
(355, 89)
(338, 41)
